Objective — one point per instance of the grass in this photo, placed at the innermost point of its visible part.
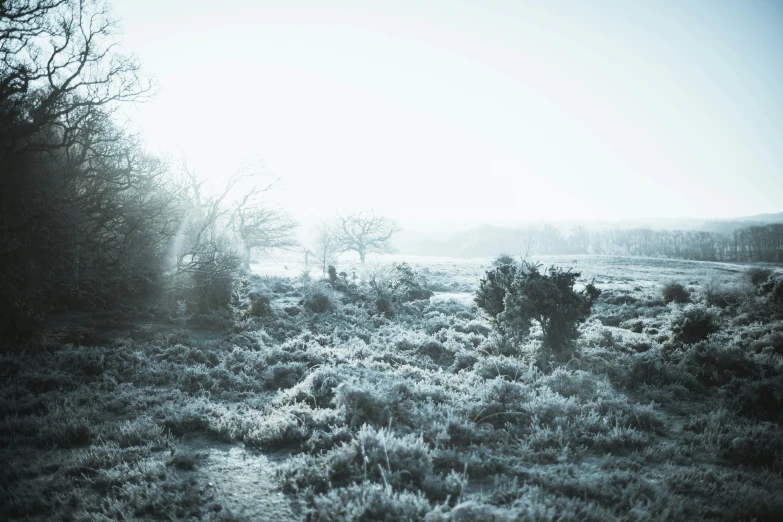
(351, 414)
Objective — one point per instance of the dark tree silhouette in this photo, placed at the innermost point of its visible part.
(60, 73)
(516, 296)
(84, 211)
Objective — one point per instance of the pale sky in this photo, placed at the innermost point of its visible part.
(480, 111)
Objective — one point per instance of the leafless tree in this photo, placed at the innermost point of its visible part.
(201, 244)
(327, 248)
(81, 205)
(257, 223)
(59, 71)
(365, 233)
(262, 227)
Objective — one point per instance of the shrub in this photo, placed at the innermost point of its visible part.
(400, 283)
(384, 305)
(515, 296)
(367, 501)
(723, 295)
(319, 298)
(674, 292)
(774, 292)
(214, 319)
(408, 284)
(693, 324)
(259, 305)
(503, 259)
(758, 275)
(491, 293)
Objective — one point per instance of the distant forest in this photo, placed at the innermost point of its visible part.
(750, 243)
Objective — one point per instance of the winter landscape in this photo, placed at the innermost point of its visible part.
(189, 334)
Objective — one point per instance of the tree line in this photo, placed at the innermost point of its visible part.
(754, 243)
(762, 243)
(757, 243)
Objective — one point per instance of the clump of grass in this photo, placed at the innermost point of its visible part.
(368, 501)
(377, 455)
(740, 441)
(187, 461)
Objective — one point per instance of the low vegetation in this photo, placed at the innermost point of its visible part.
(311, 401)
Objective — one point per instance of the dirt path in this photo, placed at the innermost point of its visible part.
(243, 481)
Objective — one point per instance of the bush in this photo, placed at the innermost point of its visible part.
(398, 283)
(774, 291)
(723, 295)
(515, 296)
(693, 323)
(259, 305)
(758, 275)
(503, 259)
(319, 298)
(406, 284)
(367, 501)
(674, 292)
(384, 306)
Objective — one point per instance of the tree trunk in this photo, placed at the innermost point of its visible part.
(246, 258)
(361, 256)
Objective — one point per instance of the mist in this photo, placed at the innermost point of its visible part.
(404, 261)
(437, 112)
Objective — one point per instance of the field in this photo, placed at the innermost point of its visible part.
(290, 408)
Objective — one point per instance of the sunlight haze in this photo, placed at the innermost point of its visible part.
(456, 112)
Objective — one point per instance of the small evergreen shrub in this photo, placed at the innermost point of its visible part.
(319, 298)
(407, 284)
(693, 323)
(384, 305)
(758, 275)
(517, 296)
(674, 292)
(503, 259)
(393, 285)
(259, 305)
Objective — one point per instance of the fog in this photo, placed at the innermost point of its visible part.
(437, 261)
(440, 112)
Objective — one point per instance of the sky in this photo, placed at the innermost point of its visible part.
(449, 111)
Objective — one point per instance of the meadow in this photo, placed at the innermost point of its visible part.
(306, 401)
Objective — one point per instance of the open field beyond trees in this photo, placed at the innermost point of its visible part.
(317, 400)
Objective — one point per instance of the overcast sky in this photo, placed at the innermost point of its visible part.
(483, 111)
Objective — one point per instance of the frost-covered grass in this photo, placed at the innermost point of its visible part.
(427, 414)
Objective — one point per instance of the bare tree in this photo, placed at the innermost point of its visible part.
(59, 69)
(327, 248)
(365, 233)
(262, 227)
(257, 224)
(201, 246)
